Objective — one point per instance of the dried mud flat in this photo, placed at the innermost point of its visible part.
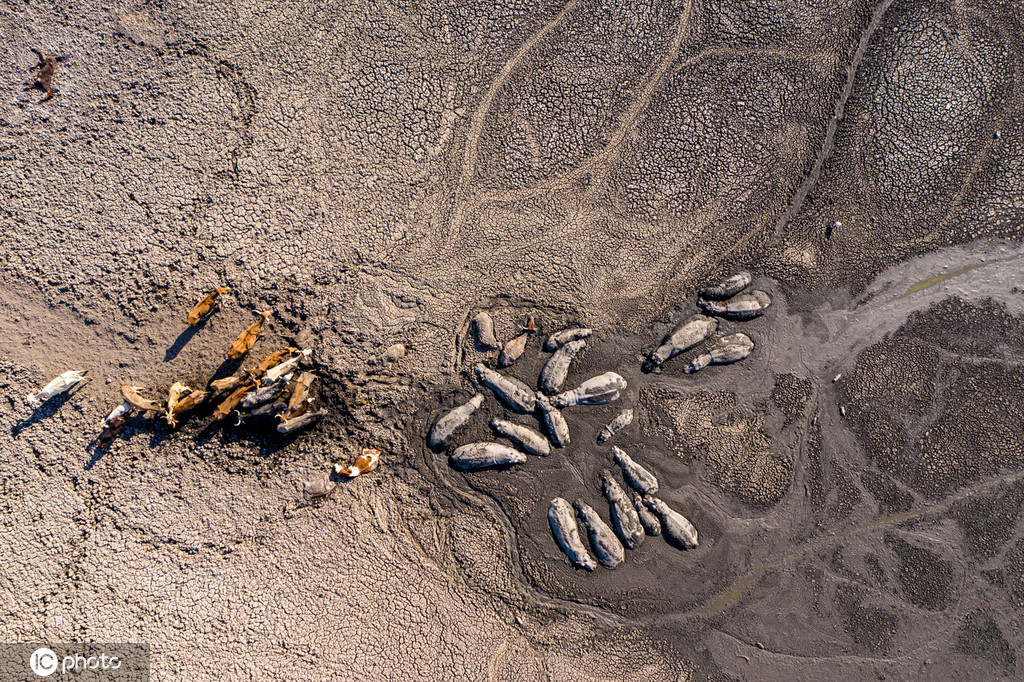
(382, 173)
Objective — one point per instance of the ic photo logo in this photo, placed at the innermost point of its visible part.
(44, 662)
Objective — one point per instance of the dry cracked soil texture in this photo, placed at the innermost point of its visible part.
(381, 172)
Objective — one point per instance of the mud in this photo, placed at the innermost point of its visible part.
(746, 549)
(381, 174)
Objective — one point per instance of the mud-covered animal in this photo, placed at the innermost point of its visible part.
(674, 526)
(607, 547)
(621, 421)
(512, 392)
(483, 330)
(640, 478)
(650, 522)
(391, 355)
(567, 534)
(304, 339)
(554, 422)
(523, 436)
(624, 516)
(688, 334)
(743, 307)
(596, 391)
(552, 377)
(447, 425)
(727, 287)
(485, 455)
(728, 349)
(320, 487)
(559, 339)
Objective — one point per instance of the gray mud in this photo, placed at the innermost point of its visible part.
(745, 549)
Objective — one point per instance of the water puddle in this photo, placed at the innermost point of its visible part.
(921, 286)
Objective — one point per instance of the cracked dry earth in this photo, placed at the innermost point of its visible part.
(379, 173)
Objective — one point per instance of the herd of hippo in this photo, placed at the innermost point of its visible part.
(632, 515)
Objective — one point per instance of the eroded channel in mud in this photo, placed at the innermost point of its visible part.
(809, 337)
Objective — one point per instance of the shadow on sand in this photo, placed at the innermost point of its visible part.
(183, 338)
(44, 411)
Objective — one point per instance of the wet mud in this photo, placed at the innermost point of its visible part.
(820, 517)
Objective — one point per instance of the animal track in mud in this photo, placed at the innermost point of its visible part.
(631, 518)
